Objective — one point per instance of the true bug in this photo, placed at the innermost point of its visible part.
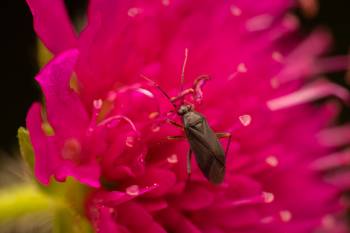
(204, 142)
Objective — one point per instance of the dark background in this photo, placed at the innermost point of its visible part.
(18, 56)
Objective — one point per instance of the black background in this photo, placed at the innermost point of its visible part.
(18, 56)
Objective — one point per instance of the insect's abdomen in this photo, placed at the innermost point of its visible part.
(206, 147)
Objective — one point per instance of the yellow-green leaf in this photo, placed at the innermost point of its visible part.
(26, 147)
(21, 200)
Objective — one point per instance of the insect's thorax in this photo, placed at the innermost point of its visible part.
(192, 118)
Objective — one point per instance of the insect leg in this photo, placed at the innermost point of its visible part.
(175, 123)
(180, 137)
(189, 156)
(228, 145)
(225, 135)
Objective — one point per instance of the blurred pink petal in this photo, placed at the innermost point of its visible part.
(52, 24)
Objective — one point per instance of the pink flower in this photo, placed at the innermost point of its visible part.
(106, 126)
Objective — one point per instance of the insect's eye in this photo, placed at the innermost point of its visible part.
(183, 109)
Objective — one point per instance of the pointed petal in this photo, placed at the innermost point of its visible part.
(53, 25)
(64, 108)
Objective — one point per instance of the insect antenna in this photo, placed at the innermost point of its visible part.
(156, 85)
(183, 72)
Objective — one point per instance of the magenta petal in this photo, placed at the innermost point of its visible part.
(137, 219)
(268, 186)
(112, 199)
(144, 103)
(96, 65)
(163, 179)
(119, 172)
(212, 230)
(173, 221)
(103, 220)
(115, 198)
(194, 197)
(86, 173)
(64, 108)
(53, 25)
(47, 160)
(67, 116)
(43, 159)
(154, 205)
(230, 218)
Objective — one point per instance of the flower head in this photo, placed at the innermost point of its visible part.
(106, 126)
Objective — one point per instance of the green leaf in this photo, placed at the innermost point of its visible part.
(27, 199)
(22, 200)
(26, 147)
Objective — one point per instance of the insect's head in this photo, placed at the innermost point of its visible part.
(195, 91)
(185, 108)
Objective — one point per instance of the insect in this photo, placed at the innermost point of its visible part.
(204, 142)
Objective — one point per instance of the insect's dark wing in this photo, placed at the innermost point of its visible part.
(208, 151)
